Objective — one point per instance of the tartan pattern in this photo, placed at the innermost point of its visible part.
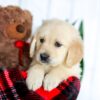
(13, 87)
(70, 91)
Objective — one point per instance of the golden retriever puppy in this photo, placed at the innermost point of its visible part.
(56, 50)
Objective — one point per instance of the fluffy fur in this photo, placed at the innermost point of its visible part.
(63, 60)
(15, 24)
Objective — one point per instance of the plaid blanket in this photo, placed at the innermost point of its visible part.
(13, 87)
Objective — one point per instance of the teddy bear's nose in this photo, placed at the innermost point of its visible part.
(20, 28)
(44, 57)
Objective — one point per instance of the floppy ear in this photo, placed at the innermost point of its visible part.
(75, 53)
(32, 46)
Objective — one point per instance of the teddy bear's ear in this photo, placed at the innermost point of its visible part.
(75, 53)
(32, 46)
(28, 15)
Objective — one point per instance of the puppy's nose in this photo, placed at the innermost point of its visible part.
(44, 57)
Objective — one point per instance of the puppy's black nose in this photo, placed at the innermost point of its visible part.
(44, 57)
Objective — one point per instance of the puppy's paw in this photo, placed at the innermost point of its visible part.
(51, 82)
(34, 83)
(34, 80)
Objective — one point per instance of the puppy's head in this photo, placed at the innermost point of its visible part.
(56, 42)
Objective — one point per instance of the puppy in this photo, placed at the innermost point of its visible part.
(56, 50)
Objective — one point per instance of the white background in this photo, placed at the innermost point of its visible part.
(89, 11)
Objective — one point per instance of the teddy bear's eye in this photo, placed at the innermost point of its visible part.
(20, 28)
(57, 44)
(42, 40)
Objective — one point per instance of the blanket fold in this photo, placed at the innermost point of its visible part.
(13, 87)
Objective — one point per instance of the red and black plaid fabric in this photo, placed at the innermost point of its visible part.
(13, 87)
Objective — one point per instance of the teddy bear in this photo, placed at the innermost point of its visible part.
(15, 30)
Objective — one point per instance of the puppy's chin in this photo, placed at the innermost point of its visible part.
(55, 63)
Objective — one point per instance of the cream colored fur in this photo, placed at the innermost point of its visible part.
(64, 60)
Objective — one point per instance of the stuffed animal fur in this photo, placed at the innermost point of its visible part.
(15, 24)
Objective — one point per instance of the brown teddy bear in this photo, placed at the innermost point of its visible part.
(15, 24)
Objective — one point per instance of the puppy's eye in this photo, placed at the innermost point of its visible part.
(57, 44)
(42, 40)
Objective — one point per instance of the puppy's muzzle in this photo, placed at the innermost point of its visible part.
(44, 57)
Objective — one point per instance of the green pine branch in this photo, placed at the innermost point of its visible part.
(81, 30)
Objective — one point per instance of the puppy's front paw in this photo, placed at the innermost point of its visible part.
(34, 80)
(33, 83)
(51, 82)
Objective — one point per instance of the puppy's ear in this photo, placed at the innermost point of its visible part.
(45, 22)
(75, 53)
(32, 46)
